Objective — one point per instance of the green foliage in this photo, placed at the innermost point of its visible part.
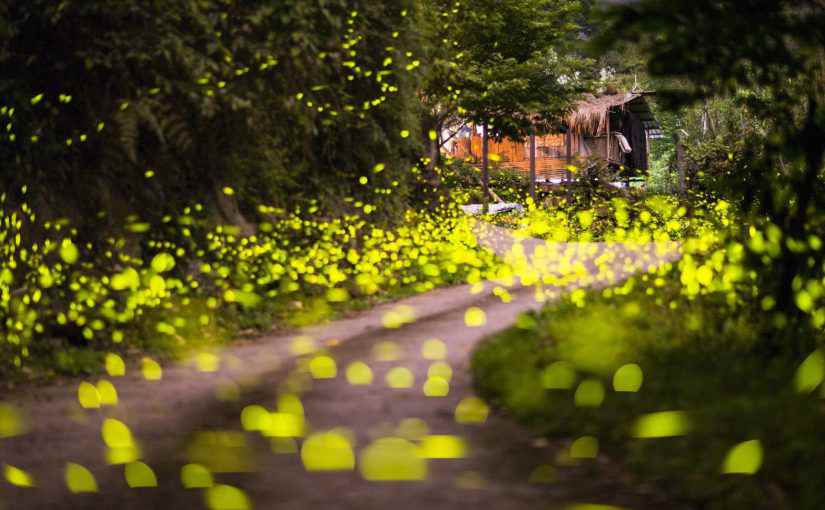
(182, 284)
(768, 56)
(284, 101)
(704, 402)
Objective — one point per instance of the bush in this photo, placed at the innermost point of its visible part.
(698, 358)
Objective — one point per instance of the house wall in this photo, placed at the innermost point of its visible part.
(551, 153)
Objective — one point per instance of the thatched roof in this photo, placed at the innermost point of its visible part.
(590, 115)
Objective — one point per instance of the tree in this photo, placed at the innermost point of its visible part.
(769, 55)
(513, 69)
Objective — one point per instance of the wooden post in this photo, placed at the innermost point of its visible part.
(485, 170)
(533, 163)
(680, 164)
(607, 144)
(568, 154)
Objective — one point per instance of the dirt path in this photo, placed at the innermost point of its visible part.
(165, 416)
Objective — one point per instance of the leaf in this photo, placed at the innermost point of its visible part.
(79, 479)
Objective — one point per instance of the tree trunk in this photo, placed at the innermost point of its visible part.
(485, 164)
(533, 163)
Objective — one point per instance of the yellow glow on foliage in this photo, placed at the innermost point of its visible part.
(744, 458)
(207, 362)
(810, 373)
(255, 418)
(471, 410)
(586, 447)
(590, 393)
(327, 451)
(440, 369)
(661, 424)
(560, 375)
(628, 378)
(412, 429)
(359, 373)
(79, 479)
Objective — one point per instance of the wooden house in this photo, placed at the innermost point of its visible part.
(612, 128)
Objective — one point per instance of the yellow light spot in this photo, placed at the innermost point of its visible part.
(412, 429)
(302, 345)
(291, 404)
(392, 459)
(88, 396)
(284, 425)
(400, 377)
(440, 369)
(744, 458)
(139, 475)
(434, 349)
(195, 476)
(586, 447)
(398, 316)
(115, 366)
(475, 317)
(359, 373)
(323, 367)
(327, 451)
(661, 424)
(255, 418)
(628, 378)
(107, 393)
(379, 167)
(162, 262)
(79, 479)
(363, 180)
(442, 447)
(405, 133)
(810, 373)
(386, 351)
(17, 476)
(116, 434)
(228, 191)
(558, 376)
(11, 421)
(436, 387)
(590, 393)
(151, 370)
(69, 252)
(226, 497)
(433, 136)
(471, 410)
(207, 362)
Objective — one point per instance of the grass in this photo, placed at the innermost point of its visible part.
(699, 365)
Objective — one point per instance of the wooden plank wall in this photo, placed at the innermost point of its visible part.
(550, 154)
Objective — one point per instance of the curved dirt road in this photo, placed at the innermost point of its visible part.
(496, 469)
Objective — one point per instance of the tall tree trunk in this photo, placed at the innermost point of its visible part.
(485, 167)
(533, 163)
